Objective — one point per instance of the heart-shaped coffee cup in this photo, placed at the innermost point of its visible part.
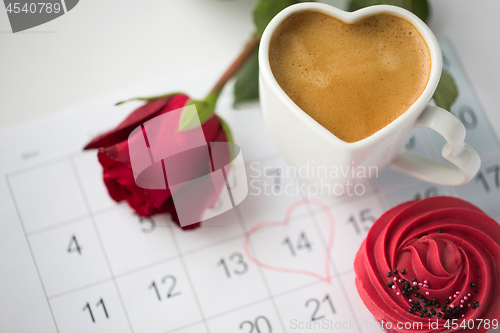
(307, 144)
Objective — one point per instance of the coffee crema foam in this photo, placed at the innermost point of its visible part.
(353, 79)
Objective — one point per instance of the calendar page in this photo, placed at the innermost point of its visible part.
(73, 260)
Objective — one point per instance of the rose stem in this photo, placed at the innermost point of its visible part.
(236, 65)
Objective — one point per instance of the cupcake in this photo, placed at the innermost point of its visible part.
(432, 265)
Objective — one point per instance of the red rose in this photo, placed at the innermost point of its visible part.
(117, 171)
(441, 252)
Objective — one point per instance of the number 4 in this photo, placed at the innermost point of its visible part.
(74, 246)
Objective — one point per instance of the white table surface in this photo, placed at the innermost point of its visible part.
(101, 47)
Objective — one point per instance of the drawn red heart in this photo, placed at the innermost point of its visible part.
(327, 277)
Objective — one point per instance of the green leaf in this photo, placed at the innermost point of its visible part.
(417, 7)
(229, 138)
(203, 111)
(353, 6)
(420, 8)
(246, 87)
(364, 3)
(266, 10)
(446, 92)
(148, 99)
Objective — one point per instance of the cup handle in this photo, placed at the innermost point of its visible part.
(465, 159)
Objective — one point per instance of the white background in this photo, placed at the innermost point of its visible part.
(101, 47)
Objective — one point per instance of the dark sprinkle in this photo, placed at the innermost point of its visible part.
(414, 280)
(421, 314)
(424, 310)
(395, 271)
(473, 284)
(388, 274)
(457, 315)
(473, 306)
(437, 305)
(428, 315)
(447, 313)
(431, 309)
(439, 315)
(440, 230)
(447, 302)
(403, 271)
(389, 285)
(410, 310)
(422, 296)
(433, 313)
(434, 300)
(417, 294)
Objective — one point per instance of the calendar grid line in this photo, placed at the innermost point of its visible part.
(186, 253)
(270, 298)
(97, 233)
(493, 152)
(333, 265)
(311, 284)
(177, 329)
(30, 250)
(37, 166)
(209, 246)
(262, 300)
(378, 195)
(148, 266)
(57, 225)
(188, 277)
(473, 91)
(87, 286)
(299, 288)
(105, 210)
(259, 269)
(278, 295)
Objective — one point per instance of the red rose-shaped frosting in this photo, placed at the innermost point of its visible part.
(441, 253)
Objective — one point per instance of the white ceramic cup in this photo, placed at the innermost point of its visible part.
(305, 143)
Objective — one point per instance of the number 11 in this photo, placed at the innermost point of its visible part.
(87, 307)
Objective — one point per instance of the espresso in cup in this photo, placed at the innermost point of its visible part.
(353, 79)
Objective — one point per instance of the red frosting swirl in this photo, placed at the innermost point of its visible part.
(447, 245)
